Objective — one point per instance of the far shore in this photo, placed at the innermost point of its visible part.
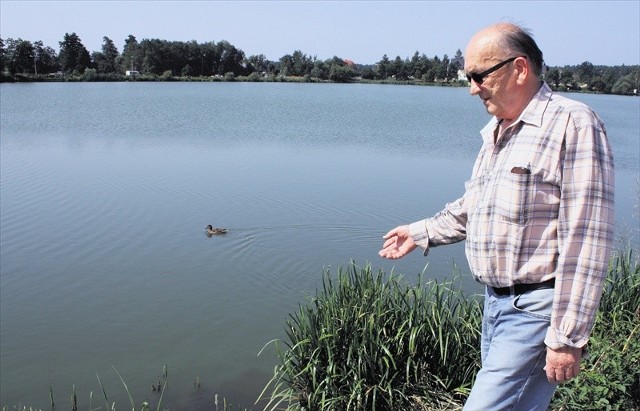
(253, 78)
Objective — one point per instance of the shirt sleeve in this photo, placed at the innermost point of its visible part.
(446, 227)
(585, 230)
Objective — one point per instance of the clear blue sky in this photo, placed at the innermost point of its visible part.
(568, 32)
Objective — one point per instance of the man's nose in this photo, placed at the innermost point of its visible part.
(474, 88)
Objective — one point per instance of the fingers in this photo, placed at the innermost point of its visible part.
(563, 364)
(391, 248)
(560, 375)
(390, 234)
(391, 251)
(397, 244)
(390, 241)
(392, 255)
(399, 231)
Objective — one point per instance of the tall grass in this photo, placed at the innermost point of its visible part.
(370, 342)
(610, 377)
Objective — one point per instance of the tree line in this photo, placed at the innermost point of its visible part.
(155, 59)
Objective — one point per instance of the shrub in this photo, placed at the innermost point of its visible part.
(255, 76)
(166, 75)
(90, 74)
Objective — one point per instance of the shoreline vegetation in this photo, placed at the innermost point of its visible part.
(91, 76)
(163, 60)
(371, 340)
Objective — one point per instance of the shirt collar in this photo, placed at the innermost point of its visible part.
(532, 114)
(534, 111)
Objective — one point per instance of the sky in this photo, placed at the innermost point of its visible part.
(568, 32)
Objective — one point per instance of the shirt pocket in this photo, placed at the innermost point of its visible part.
(513, 197)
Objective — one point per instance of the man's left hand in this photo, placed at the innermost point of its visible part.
(563, 364)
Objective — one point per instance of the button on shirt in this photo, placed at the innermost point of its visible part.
(539, 205)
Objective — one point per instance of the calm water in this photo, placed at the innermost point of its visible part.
(106, 189)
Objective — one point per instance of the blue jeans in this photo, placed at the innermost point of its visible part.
(513, 353)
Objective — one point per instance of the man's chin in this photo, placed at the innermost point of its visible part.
(491, 109)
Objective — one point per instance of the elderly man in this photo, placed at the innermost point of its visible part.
(537, 216)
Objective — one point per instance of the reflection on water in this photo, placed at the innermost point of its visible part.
(107, 188)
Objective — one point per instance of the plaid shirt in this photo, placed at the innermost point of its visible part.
(539, 205)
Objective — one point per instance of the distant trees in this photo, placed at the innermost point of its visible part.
(298, 64)
(157, 57)
(627, 84)
(599, 79)
(165, 60)
(46, 59)
(342, 73)
(74, 57)
(231, 59)
(20, 56)
(105, 61)
(260, 64)
(419, 67)
(131, 58)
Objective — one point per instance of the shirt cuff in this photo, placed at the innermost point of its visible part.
(555, 340)
(420, 235)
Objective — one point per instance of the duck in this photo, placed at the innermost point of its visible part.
(211, 230)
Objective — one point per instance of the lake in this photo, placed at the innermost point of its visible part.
(106, 190)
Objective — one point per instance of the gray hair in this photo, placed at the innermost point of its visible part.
(520, 42)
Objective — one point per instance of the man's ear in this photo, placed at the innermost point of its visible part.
(521, 64)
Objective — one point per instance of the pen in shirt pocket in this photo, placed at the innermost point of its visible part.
(522, 170)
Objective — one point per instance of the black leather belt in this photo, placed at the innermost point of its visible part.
(518, 289)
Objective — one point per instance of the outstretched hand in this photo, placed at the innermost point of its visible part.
(398, 243)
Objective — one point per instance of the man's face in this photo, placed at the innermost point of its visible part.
(496, 88)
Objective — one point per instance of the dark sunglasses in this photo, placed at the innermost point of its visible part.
(478, 78)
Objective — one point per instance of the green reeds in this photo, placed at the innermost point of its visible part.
(160, 387)
(145, 405)
(622, 286)
(610, 376)
(53, 403)
(368, 341)
(74, 399)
